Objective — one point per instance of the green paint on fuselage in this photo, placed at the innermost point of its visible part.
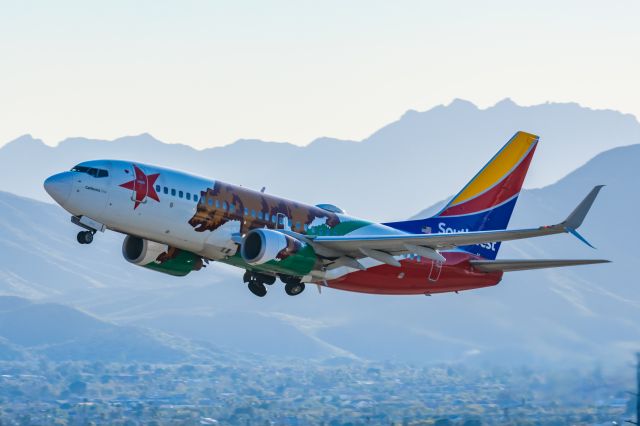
(298, 264)
(179, 266)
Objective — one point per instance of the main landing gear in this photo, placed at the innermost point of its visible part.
(292, 285)
(85, 237)
(256, 282)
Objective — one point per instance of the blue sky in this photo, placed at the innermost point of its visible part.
(206, 73)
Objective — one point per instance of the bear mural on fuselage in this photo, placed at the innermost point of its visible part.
(225, 202)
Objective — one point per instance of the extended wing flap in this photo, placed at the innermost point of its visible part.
(524, 265)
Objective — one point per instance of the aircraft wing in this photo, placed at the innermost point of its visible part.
(384, 247)
(526, 264)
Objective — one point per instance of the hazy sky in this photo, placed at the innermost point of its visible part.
(206, 73)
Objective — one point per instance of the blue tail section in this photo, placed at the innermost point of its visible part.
(496, 218)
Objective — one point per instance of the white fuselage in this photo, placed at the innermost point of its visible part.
(123, 200)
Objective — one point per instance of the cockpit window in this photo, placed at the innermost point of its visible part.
(98, 173)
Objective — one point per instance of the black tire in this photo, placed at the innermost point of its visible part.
(85, 237)
(267, 279)
(294, 289)
(257, 288)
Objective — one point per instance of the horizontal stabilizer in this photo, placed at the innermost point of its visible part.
(523, 265)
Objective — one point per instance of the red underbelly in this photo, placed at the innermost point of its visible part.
(419, 277)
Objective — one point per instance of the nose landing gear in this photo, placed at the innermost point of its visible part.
(85, 237)
(90, 226)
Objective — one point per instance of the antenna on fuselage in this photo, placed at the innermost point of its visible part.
(263, 188)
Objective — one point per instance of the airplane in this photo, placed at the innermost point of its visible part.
(176, 223)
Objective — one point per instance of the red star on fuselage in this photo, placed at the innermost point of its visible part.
(143, 186)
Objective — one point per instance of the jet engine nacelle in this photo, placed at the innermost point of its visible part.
(160, 257)
(273, 251)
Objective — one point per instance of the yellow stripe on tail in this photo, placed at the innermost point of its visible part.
(504, 161)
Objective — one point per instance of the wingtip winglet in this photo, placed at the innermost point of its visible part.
(578, 236)
(575, 219)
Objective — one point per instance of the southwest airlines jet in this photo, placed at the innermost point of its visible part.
(176, 223)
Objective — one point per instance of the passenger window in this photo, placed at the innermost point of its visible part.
(273, 218)
(157, 188)
(180, 194)
(281, 220)
(224, 205)
(297, 225)
(165, 190)
(188, 194)
(232, 208)
(246, 211)
(195, 198)
(173, 192)
(211, 202)
(260, 215)
(253, 213)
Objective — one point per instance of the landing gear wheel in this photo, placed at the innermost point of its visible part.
(85, 237)
(294, 289)
(268, 279)
(257, 288)
(258, 277)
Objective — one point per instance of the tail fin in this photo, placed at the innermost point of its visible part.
(487, 201)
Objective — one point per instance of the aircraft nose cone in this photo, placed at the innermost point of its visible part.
(58, 187)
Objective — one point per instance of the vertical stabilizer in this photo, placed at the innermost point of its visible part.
(487, 201)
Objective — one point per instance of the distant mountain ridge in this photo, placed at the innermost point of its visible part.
(415, 161)
(63, 333)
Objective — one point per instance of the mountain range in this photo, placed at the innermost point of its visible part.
(400, 169)
(59, 333)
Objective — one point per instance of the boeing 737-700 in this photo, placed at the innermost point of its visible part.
(176, 223)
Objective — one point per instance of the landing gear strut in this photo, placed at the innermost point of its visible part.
(256, 282)
(85, 237)
(90, 226)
